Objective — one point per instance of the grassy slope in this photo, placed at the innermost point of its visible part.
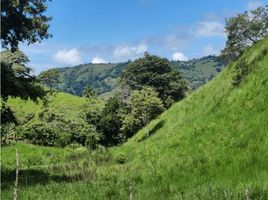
(212, 145)
(218, 136)
(61, 102)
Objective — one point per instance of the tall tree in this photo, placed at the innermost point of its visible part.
(23, 21)
(16, 81)
(158, 74)
(109, 123)
(16, 78)
(50, 77)
(244, 30)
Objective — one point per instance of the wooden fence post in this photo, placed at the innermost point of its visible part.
(17, 176)
(247, 195)
(130, 194)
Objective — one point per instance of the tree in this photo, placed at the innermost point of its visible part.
(109, 123)
(244, 30)
(23, 21)
(89, 92)
(143, 106)
(50, 77)
(8, 120)
(157, 73)
(7, 115)
(16, 78)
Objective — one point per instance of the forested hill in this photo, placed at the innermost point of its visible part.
(103, 77)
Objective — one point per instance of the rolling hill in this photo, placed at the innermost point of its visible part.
(211, 145)
(69, 105)
(104, 77)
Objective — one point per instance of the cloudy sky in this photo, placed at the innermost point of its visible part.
(101, 31)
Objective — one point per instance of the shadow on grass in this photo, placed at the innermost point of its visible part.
(151, 132)
(33, 177)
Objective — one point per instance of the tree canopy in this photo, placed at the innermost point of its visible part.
(142, 107)
(23, 21)
(158, 74)
(50, 77)
(110, 122)
(16, 78)
(244, 30)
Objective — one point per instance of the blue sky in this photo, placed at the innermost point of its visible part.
(101, 31)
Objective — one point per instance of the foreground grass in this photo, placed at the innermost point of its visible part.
(212, 145)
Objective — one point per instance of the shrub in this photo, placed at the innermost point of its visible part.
(41, 134)
(144, 106)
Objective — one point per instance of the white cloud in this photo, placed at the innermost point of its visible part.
(175, 41)
(141, 48)
(254, 4)
(128, 52)
(209, 50)
(68, 57)
(179, 56)
(210, 29)
(98, 60)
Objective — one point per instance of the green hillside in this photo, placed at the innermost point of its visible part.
(200, 71)
(101, 77)
(104, 77)
(211, 145)
(72, 106)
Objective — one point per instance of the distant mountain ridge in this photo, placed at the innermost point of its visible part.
(103, 78)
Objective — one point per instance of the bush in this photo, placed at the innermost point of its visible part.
(85, 135)
(241, 69)
(144, 106)
(41, 134)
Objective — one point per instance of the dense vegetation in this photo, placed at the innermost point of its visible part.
(215, 152)
(103, 78)
(58, 120)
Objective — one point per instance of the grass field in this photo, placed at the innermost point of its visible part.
(62, 102)
(211, 145)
